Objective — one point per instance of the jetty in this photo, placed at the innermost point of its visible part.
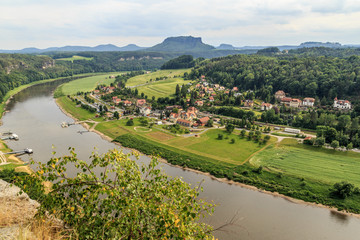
(11, 136)
(26, 150)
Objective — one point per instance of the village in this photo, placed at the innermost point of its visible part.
(192, 112)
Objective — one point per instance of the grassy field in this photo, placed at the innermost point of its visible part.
(326, 165)
(164, 88)
(87, 84)
(77, 112)
(141, 79)
(75, 57)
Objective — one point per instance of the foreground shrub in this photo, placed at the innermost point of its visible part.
(112, 197)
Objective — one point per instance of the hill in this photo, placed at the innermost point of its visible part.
(181, 44)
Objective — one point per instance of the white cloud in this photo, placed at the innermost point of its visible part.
(44, 23)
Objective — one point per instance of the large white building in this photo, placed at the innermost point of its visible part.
(308, 102)
(342, 104)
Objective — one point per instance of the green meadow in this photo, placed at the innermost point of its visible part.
(75, 57)
(87, 84)
(151, 77)
(304, 161)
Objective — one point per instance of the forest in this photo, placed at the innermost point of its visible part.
(320, 77)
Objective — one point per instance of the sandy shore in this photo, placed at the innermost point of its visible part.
(223, 180)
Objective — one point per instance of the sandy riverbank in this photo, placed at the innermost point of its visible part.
(223, 180)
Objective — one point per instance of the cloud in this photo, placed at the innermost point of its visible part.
(43, 23)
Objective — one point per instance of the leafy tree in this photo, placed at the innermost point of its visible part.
(220, 136)
(243, 133)
(334, 144)
(232, 141)
(116, 115)
(349, 146)
(230, 128)
(210, 123)
(319, 141)
(124, 201)
(130, 122)
(343, 189)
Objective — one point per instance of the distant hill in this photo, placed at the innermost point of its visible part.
(181, 44)
(224, 46)
(320, 44)
(99, 48)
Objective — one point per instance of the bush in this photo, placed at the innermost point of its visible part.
(123, 201)
(343, 189)
(220, 136)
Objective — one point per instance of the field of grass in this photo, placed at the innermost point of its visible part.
(87, 84)
(141, 79)
(300, 160)
(77, 112)
(208, 144)
(75, 57)
(164, 88)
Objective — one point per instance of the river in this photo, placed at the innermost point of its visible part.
(36, 118)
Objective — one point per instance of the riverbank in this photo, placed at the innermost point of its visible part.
(220, 179)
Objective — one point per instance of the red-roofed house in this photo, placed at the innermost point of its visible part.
(280, 94)
(248, 103)
(183, 122)
(199, 103)
(235, 89)
(295, 103)
(140, 102)
(308, 102)
(266, 106)
(203, 121)
(127, 103)
(342, 104)
(211, 99)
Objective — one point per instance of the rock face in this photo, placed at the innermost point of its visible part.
(15, 210)
(181, 44)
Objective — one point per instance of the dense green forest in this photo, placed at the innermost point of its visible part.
(328, 77)
(184, 61)
(18, 69)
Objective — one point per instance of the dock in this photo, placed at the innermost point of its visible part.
(11, 136)
(26, 150)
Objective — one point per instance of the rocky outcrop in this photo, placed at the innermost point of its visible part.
(16, 210)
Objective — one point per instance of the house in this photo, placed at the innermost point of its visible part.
(203, 121)
(216, 86)
(266, 106)
(117, 101)
(183, 122)
(211, 99)
(280, 95)
(342, 104)
(96, 91)
(248, 103)
(127, 103)
(192, 110)
(227, 92)
(188, 115)
(210, 90)
(145, 111)
(221, 88)
(235, 89)
(286, 101)
(109, 115)
(237, 94)
(295, 103)
(199, 103)
(140, 102)
(308, 102)
(202, 77)
(170, 108)
(173, 117)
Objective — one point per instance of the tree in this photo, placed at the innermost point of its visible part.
(220, 136)
(116, 115)
(334, 144)
(242, 133)
(124, 201)
(232, 141)
(130, 122)
(230, 128)
(210, 123)
(343, 189)
(319, 141)
(349, 146)
(177, 90)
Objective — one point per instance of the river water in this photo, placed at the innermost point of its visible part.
(36, 118)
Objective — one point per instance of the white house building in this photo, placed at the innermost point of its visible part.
(308, 102)
(342, 104)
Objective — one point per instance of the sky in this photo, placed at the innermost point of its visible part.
(56, 23)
